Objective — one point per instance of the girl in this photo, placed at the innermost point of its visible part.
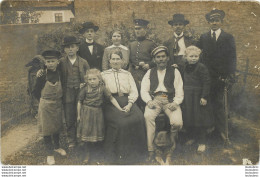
(90, 116)
(197, 116)
(48, 91)
(116, 39)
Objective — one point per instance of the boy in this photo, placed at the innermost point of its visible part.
(73, 69)
(49, 91)
(89, 49)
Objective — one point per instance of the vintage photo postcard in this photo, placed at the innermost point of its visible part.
(112, 82)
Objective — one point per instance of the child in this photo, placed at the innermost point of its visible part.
(49, 91)
(90, 116)
(89, 49)
(196, 104)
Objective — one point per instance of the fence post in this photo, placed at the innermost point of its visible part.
(246, 72)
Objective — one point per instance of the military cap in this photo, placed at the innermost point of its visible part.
(68, 40)
(88, 25)
(141, 22)
(178, 18)
(215, 13)
(51, 54)
(158, 49)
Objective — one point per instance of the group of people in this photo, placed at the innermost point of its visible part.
(116, 109)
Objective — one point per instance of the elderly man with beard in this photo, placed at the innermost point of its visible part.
(162, 90)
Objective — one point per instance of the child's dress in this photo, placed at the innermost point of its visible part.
(91, 125)
(196, 86)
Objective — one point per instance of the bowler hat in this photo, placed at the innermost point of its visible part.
(141, 22)
(178, 18)
(158, 49)
(88, 25)
(215, 13)
(51, 54)
(68, 40)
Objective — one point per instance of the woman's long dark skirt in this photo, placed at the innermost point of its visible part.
(125, 137)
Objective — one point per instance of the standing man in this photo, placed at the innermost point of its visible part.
(140, 52)
(219, 55)
(162, 89)
(89, 49)
(178, 42)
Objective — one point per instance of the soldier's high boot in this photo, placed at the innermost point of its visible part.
(173, 138)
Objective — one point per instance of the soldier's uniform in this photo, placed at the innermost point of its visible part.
(140, 51)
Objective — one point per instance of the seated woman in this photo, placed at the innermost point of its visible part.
(125, 140)
(116, 39)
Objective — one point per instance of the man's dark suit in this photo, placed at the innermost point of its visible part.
(95, 59)
(174, 59)
(220, 58)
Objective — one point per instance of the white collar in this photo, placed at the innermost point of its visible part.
(120, 46)
(218, 31)
(181, 35)
(89, 41)
(114, 70)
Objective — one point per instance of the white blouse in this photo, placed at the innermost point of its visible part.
(120, 81)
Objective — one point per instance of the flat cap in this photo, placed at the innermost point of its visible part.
(159, 49)
(51, 54)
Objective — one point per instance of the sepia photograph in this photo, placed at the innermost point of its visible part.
(135, 82)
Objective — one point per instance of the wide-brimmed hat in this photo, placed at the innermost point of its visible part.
(178, 18)
(141, 22)
(215, 13)
(68, 40)
(51, 54)
(88, 25)
(158, 49)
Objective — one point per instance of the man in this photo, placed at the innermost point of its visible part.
(89, 49)
(73, 69)
(178, 42)
(140, 52)
(162, 89)
(219, 55)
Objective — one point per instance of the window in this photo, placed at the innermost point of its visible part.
(58, 17)
(24, 18)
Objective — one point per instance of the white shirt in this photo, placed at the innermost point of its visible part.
(217, 32)
(178, 86)
(72, 61)
(120, 81)
(181, 44)
(90, 47)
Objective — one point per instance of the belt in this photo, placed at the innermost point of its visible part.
(162, 94)
(116, 94)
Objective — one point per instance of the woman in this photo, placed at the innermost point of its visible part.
(125, 129)
(116, 39)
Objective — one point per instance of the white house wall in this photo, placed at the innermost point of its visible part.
(49, 16)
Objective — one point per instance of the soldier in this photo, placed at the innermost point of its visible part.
(179, 41)
(219, 55)
(140, 52)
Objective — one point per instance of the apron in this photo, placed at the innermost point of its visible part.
(50, 109)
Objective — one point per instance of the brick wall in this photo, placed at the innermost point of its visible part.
(242, 20)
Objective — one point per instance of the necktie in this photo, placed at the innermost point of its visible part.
(89, 44)
(176, 47)
(214, 36)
